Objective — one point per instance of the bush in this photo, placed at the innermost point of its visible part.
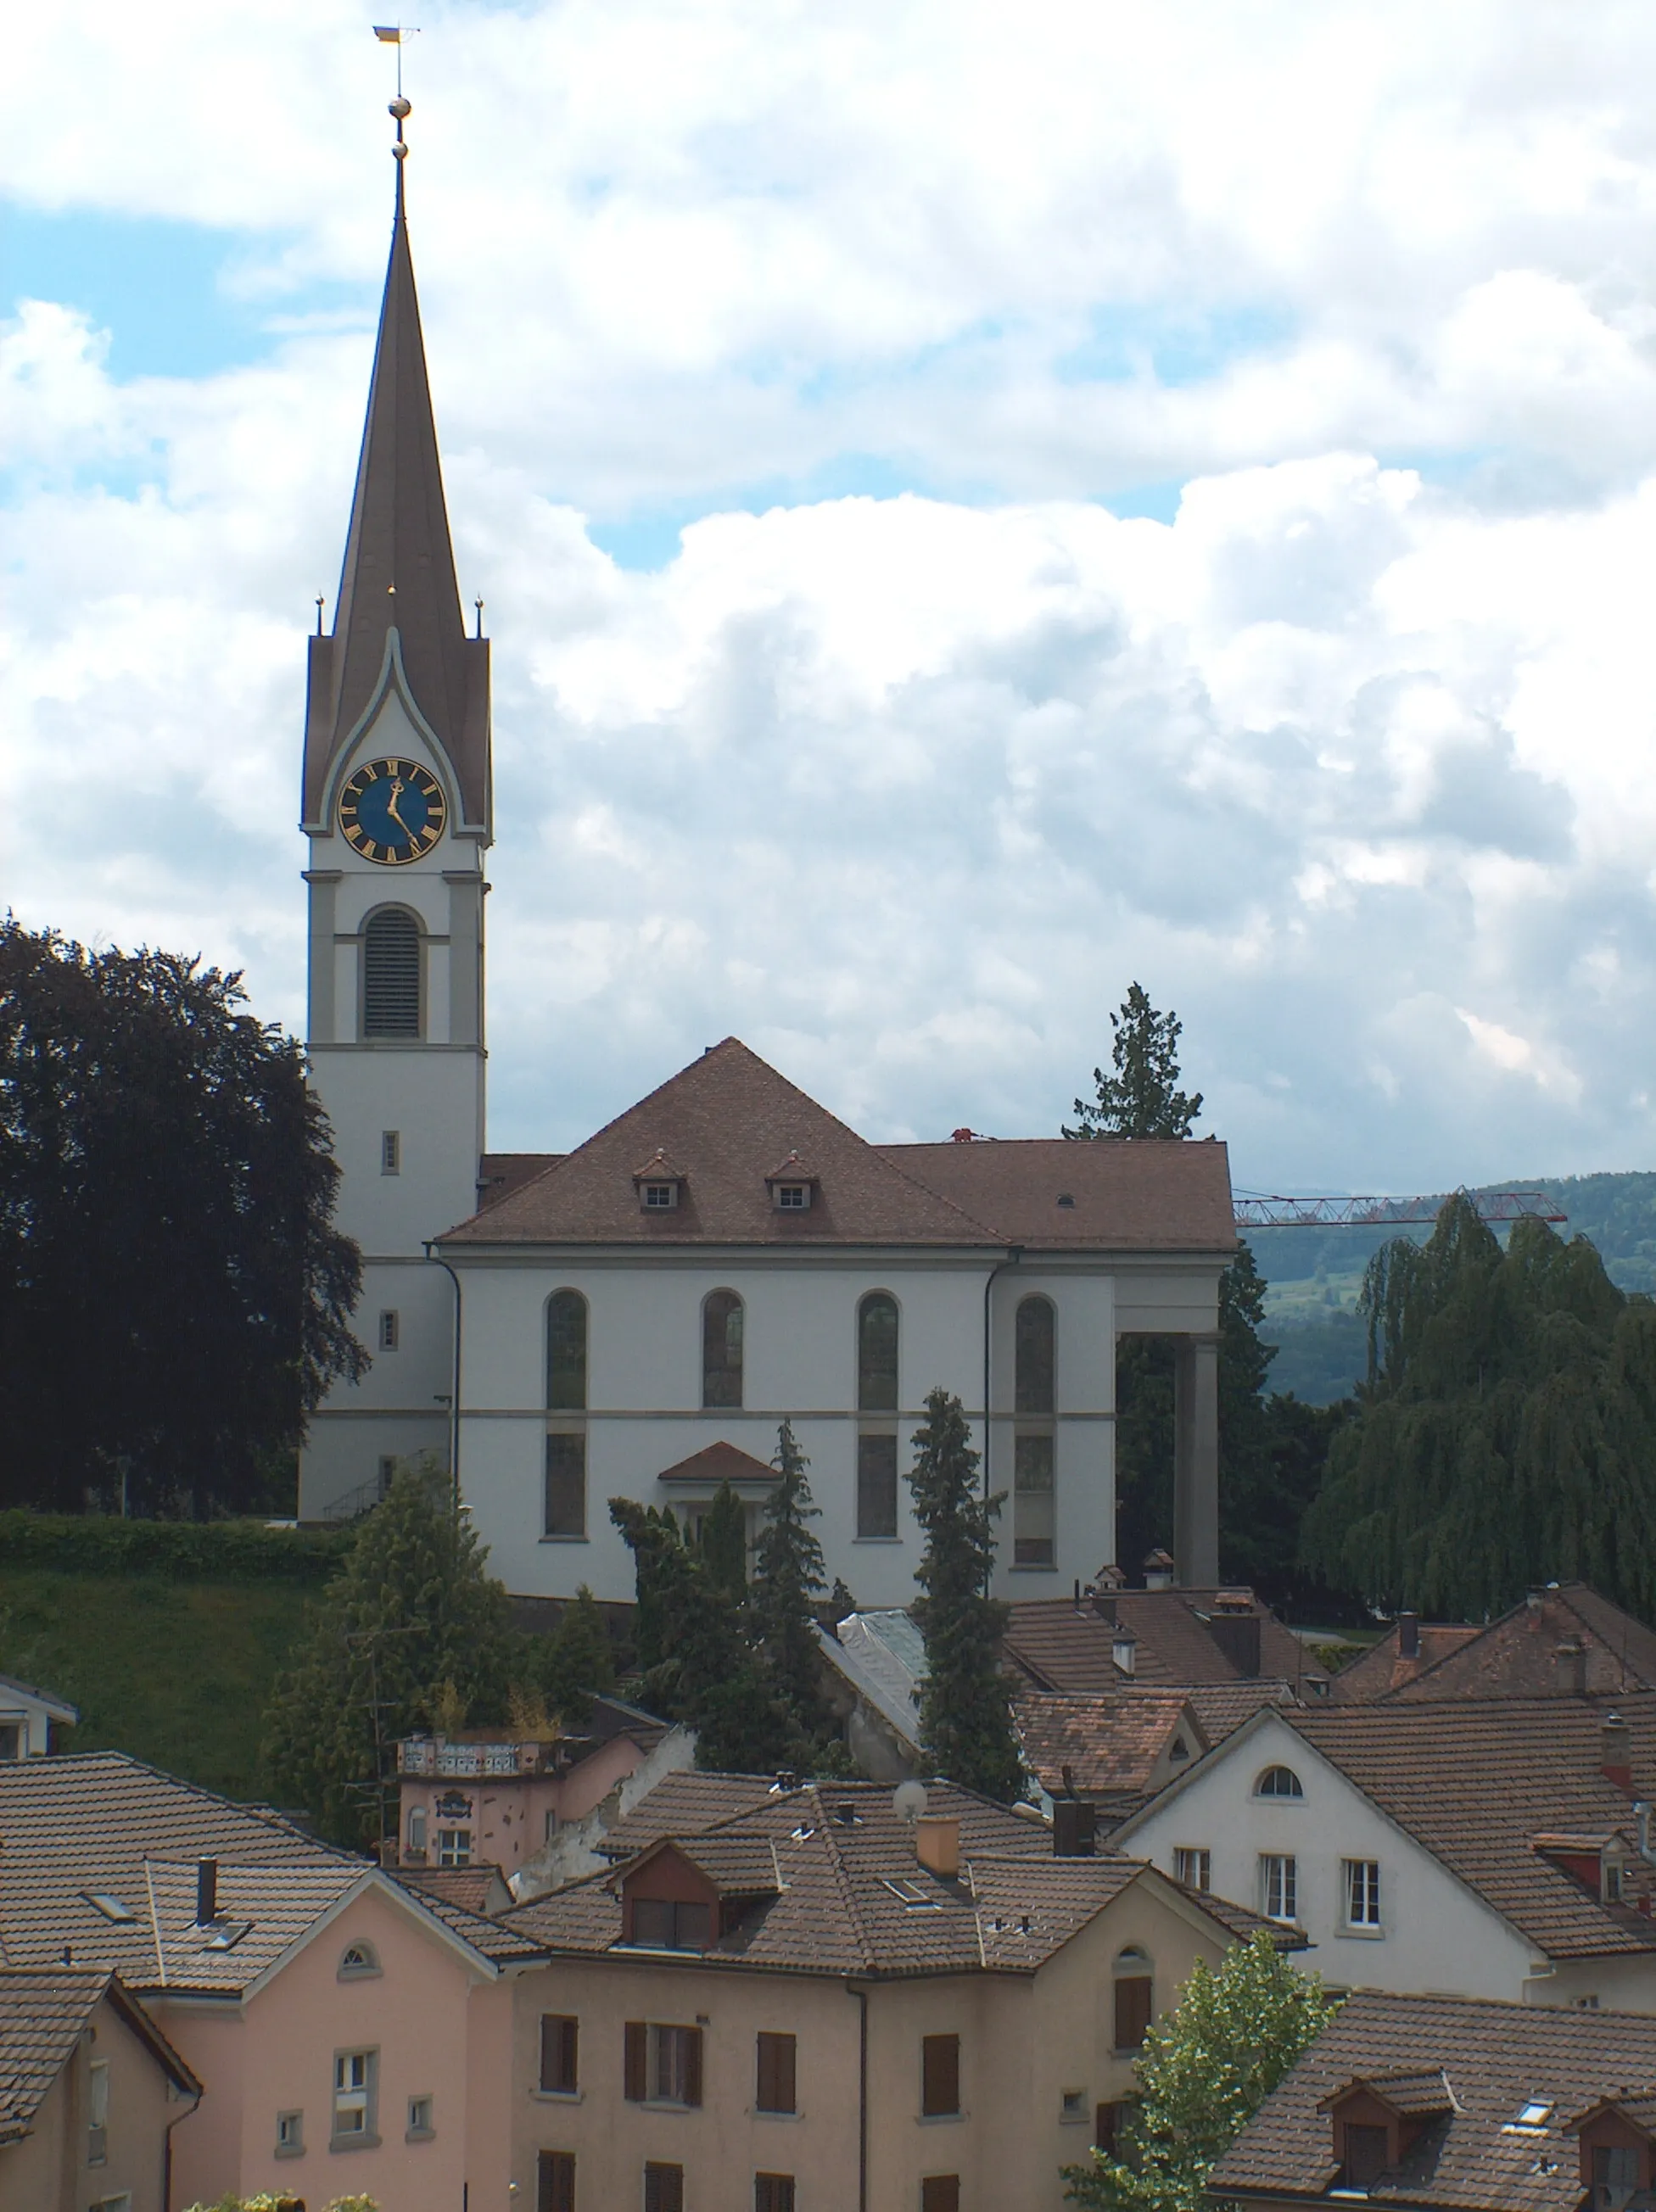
(174, 1551)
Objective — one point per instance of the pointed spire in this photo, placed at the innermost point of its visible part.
(399, 570)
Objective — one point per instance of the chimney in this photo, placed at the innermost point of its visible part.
(1409, 1636)
(1074, 1829)
(1104, 1604)
(1571, 1661)
(1237, 1635)
(937, 1844)
(1616, 1752)
(206, 1893)
(1123, 1650)
(1158, 1572)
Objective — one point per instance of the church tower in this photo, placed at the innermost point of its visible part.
(397, 807)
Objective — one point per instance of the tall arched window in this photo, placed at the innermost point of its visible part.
(566, 1402)
(1135, 1991)
(721, 1349)
(391, 973)
(1035, 1443)
(876, 1395)
(566, 1353)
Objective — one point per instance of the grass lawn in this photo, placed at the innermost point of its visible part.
(177, 1674)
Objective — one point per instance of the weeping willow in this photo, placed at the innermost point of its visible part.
(1506, 1434)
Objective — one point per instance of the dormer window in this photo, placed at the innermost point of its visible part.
(659, 1183)
(663, 1923)
(792, 1197)
(658, 1196)
(791, 1185)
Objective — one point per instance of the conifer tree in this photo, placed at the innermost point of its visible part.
(966, 1709)
(1142, 1097)
(723, 1544)
(577, 1659)
(788, 1576)
(411, 1613)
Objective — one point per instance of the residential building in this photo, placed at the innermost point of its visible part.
(1457, 2104)
(1102, 1638)
(721, 1256)
(30, 1719)
(1113, 1753)
(1564, 1641)
(816, 2007)
(1481, 1849)
(90, 2093)
(350, 2035)
(489, 1797)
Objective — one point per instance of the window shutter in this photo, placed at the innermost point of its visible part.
(776, 2074)
(773, 2192)
(692, 2065)
(940, 2073)
(555, 2176)
(636, 2087)
(664, 2188)
(560, 2044)
(1133, 2008)
(940, 2192)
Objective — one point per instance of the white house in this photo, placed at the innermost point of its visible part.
(27, 1718)
(1471, 1850)
(637, 1317)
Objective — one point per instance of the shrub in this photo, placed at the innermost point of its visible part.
(175, 1551)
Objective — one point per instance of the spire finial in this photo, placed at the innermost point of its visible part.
(395, 34)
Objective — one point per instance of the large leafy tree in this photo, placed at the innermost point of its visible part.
(788, 1576)
(1141, 1097)
(1506, 1434)
(965, 1707)
(174, 1299)
(1205, 2069)
(412, 1629)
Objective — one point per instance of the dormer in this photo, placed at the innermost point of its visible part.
(659, 1183)
(792, 1186)
(1378, 2118)
(1617, 2139)
(1596, 1862)
(686, 1892)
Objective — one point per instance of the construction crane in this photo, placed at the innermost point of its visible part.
(1389, 1212)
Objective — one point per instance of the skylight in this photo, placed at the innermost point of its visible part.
(1533, 2115)
(111, 1907)
(226, 1937)
(911, 1894)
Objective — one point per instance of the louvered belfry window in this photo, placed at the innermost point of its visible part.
(391, 973)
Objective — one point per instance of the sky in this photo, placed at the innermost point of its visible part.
(975, 505)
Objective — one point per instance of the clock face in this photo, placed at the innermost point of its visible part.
(391, 811)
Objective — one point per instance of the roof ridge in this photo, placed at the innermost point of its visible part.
(846, 1888)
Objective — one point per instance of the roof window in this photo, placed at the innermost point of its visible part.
(847, 1815)
(227, 1936)
(659, 1183)
(1535, 2114)
(111, 1907)
(791, 1185)
(911, 1894)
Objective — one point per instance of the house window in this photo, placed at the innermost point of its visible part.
(1033, 1521)
(940, 2192)
(664, 2187)
(97, 2112)
(793, 1197)
(721, 1349)
(774, 2091)
(417, 1831)
(355, 2079)
(419, 2128)
(1362, 1888)
(773, 2192)
(1136, 1990)
(1034, 1335)
(662, 2064)
(1193, 1866)
(555, 2181)
(388, 1327)
(358, 1962)
(560, 2054)
(1072, 2105)
(1616, 2168)
(1278, 1887)
(11, 1740)
(667, 1924)
(1278, 1782)
(391, 1151)
(387, 1471)
(290, 2135)
(660, 1197)
(876, 1485)
(566, 1353)
(391, 973)
(454, 1847)
(876, 1353)
(939, 2077)
(1365, 2158)
(566, 1485)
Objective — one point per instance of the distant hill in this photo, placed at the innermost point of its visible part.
(1315, 1275)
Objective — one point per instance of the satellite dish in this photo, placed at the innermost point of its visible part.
(908, 1801)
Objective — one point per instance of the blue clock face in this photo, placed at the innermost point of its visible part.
(391, 811)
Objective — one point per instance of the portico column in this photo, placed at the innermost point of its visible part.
(1196, 1461)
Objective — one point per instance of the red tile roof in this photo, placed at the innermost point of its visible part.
(719, 1462)
(1112, 1743)
(1155, 1194)
(1382, 1668)
(45, 2012)
(1518, 1655)
(1058, 1645)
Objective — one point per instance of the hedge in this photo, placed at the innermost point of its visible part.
(178, 1551)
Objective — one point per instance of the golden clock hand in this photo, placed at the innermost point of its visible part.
(390, 808)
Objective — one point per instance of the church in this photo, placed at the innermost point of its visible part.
(635, 1317)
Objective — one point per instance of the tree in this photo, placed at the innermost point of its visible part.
(1506, 1433)
(965, 1709)
(167, 1193)
(410, 1615)
(724, 1542)
(1205, 2069)
(788, 1576)
(577, 1659)
(1142, 1098)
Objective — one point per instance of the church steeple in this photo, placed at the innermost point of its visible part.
(398, 573)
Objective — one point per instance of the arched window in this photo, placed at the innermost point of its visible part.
(1136, 1993)
(876, 1353)
(721, 1349)
(358, 1961)
(566, 1353)
(1035, 1333)
(1278, 1782)
(391, 973)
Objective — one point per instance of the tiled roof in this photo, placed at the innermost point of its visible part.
(737, 1861)
(1154, 1195)
(1517, 1656)
(684, 1804)
(1496, 2057)
(1382, 1668)
(1059, 1645)
(878, 1659)
(1112, 1743)
(728, 1118)
(1477, 1783)
(1222, 1706)
(719, 1462)
(480, 1888)
(44, 2013)
(499, 1174)
(856, 1898)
